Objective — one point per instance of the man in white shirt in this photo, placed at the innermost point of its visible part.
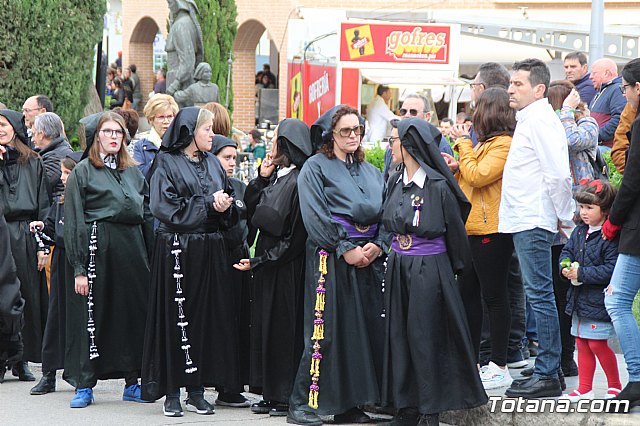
(536, 195)
(379, 115)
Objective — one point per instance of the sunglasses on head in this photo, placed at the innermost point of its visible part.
(412, 112)
(345, 132)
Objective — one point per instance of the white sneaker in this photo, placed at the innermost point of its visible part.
(611, 393)
(494, 377)
(576, 396)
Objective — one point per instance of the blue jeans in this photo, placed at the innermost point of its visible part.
(531, 333)
(624, 286)
(534, 252)
(191, 390)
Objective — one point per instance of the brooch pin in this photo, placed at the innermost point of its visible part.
(416, 203)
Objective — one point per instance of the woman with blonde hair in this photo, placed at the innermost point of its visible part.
(108, 236)
(221, 119)
(160, 111)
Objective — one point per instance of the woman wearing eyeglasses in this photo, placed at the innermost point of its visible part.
(341, 205)
(108, 235)
(160, 111)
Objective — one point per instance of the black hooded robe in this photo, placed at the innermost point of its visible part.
(429, 361)
(24, 198)
(353, 322)
(192, 341)
(117, 202)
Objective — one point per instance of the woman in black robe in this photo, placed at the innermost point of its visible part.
(341, 205)
(11, 303)
(430, 365)
(278, 265)
(235, 240)
(108, 233)
(51, 233)
(192, 338)
(24, 198)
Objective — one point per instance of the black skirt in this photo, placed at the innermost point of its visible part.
(429, 359)
(53, 342)
(209, 308)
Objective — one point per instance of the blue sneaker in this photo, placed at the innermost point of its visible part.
(83, 398)
(133, 393)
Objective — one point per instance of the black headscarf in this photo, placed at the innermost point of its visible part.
(421, 140)
(90, 124)
(321, 129)
(296, 141)
(75, 156)
(16, 120)
(220, 142)
(181, 131)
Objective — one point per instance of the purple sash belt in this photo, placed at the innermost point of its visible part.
(413, 245)
(355, 230)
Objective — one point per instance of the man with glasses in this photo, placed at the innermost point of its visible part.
(609, 102)
(33, 107)
(414, 105)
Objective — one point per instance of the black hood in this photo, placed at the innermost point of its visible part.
(421, 140)
(75, 156)
(320, 133)
(16, 119)
(220, 142)
(90, 124)
(297, 142)
(180, 133)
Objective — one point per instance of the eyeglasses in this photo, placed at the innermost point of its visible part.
(28, 110)
(391, 140)
(623, 87)
(112, 133)
(412, 112)
(345, 132)
(164, 117)
(475, 84)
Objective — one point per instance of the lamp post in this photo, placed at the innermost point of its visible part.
(229, 62)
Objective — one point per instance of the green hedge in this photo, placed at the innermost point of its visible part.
(48, 47)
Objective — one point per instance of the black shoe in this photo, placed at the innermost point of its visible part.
(429, 420)
(535, 387)
(229, 399)
(301, 417)
(279, 410)
(533, 348)
(46, 384)
(172, 407)
(631, 393)
(354, 415)
(21, 371)
(3, 369)
(405, 417)
(198, 404)
(569, 368)
(527, 372)
(262, 407)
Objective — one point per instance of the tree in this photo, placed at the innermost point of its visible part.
(219, 29)
(48, 47)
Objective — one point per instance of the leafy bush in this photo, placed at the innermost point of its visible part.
(375, 156)
(47, 47)
(615, 177)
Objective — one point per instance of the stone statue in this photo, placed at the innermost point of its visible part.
(202, 91)
(184, 44)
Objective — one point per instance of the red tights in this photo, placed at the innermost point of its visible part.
(588, 350)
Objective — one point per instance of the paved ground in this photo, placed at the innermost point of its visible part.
(17, 407)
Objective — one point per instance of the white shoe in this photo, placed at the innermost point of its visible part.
(611, 393)
(576, 396)
(494, 377)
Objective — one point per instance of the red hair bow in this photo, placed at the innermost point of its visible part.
(596, 183)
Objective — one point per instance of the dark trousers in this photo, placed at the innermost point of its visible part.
(488, 276)
(517, 307)
(560, 288)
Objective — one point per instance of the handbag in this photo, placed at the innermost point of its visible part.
(599, 166)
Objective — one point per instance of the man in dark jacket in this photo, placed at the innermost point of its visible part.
(576, 70)
(51, 144)
(609, 102)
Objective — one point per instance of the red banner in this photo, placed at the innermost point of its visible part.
(424, 44)
(311, 91)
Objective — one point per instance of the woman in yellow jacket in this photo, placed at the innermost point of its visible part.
(479, 173)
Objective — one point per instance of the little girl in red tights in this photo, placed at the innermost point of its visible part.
(596, 257)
